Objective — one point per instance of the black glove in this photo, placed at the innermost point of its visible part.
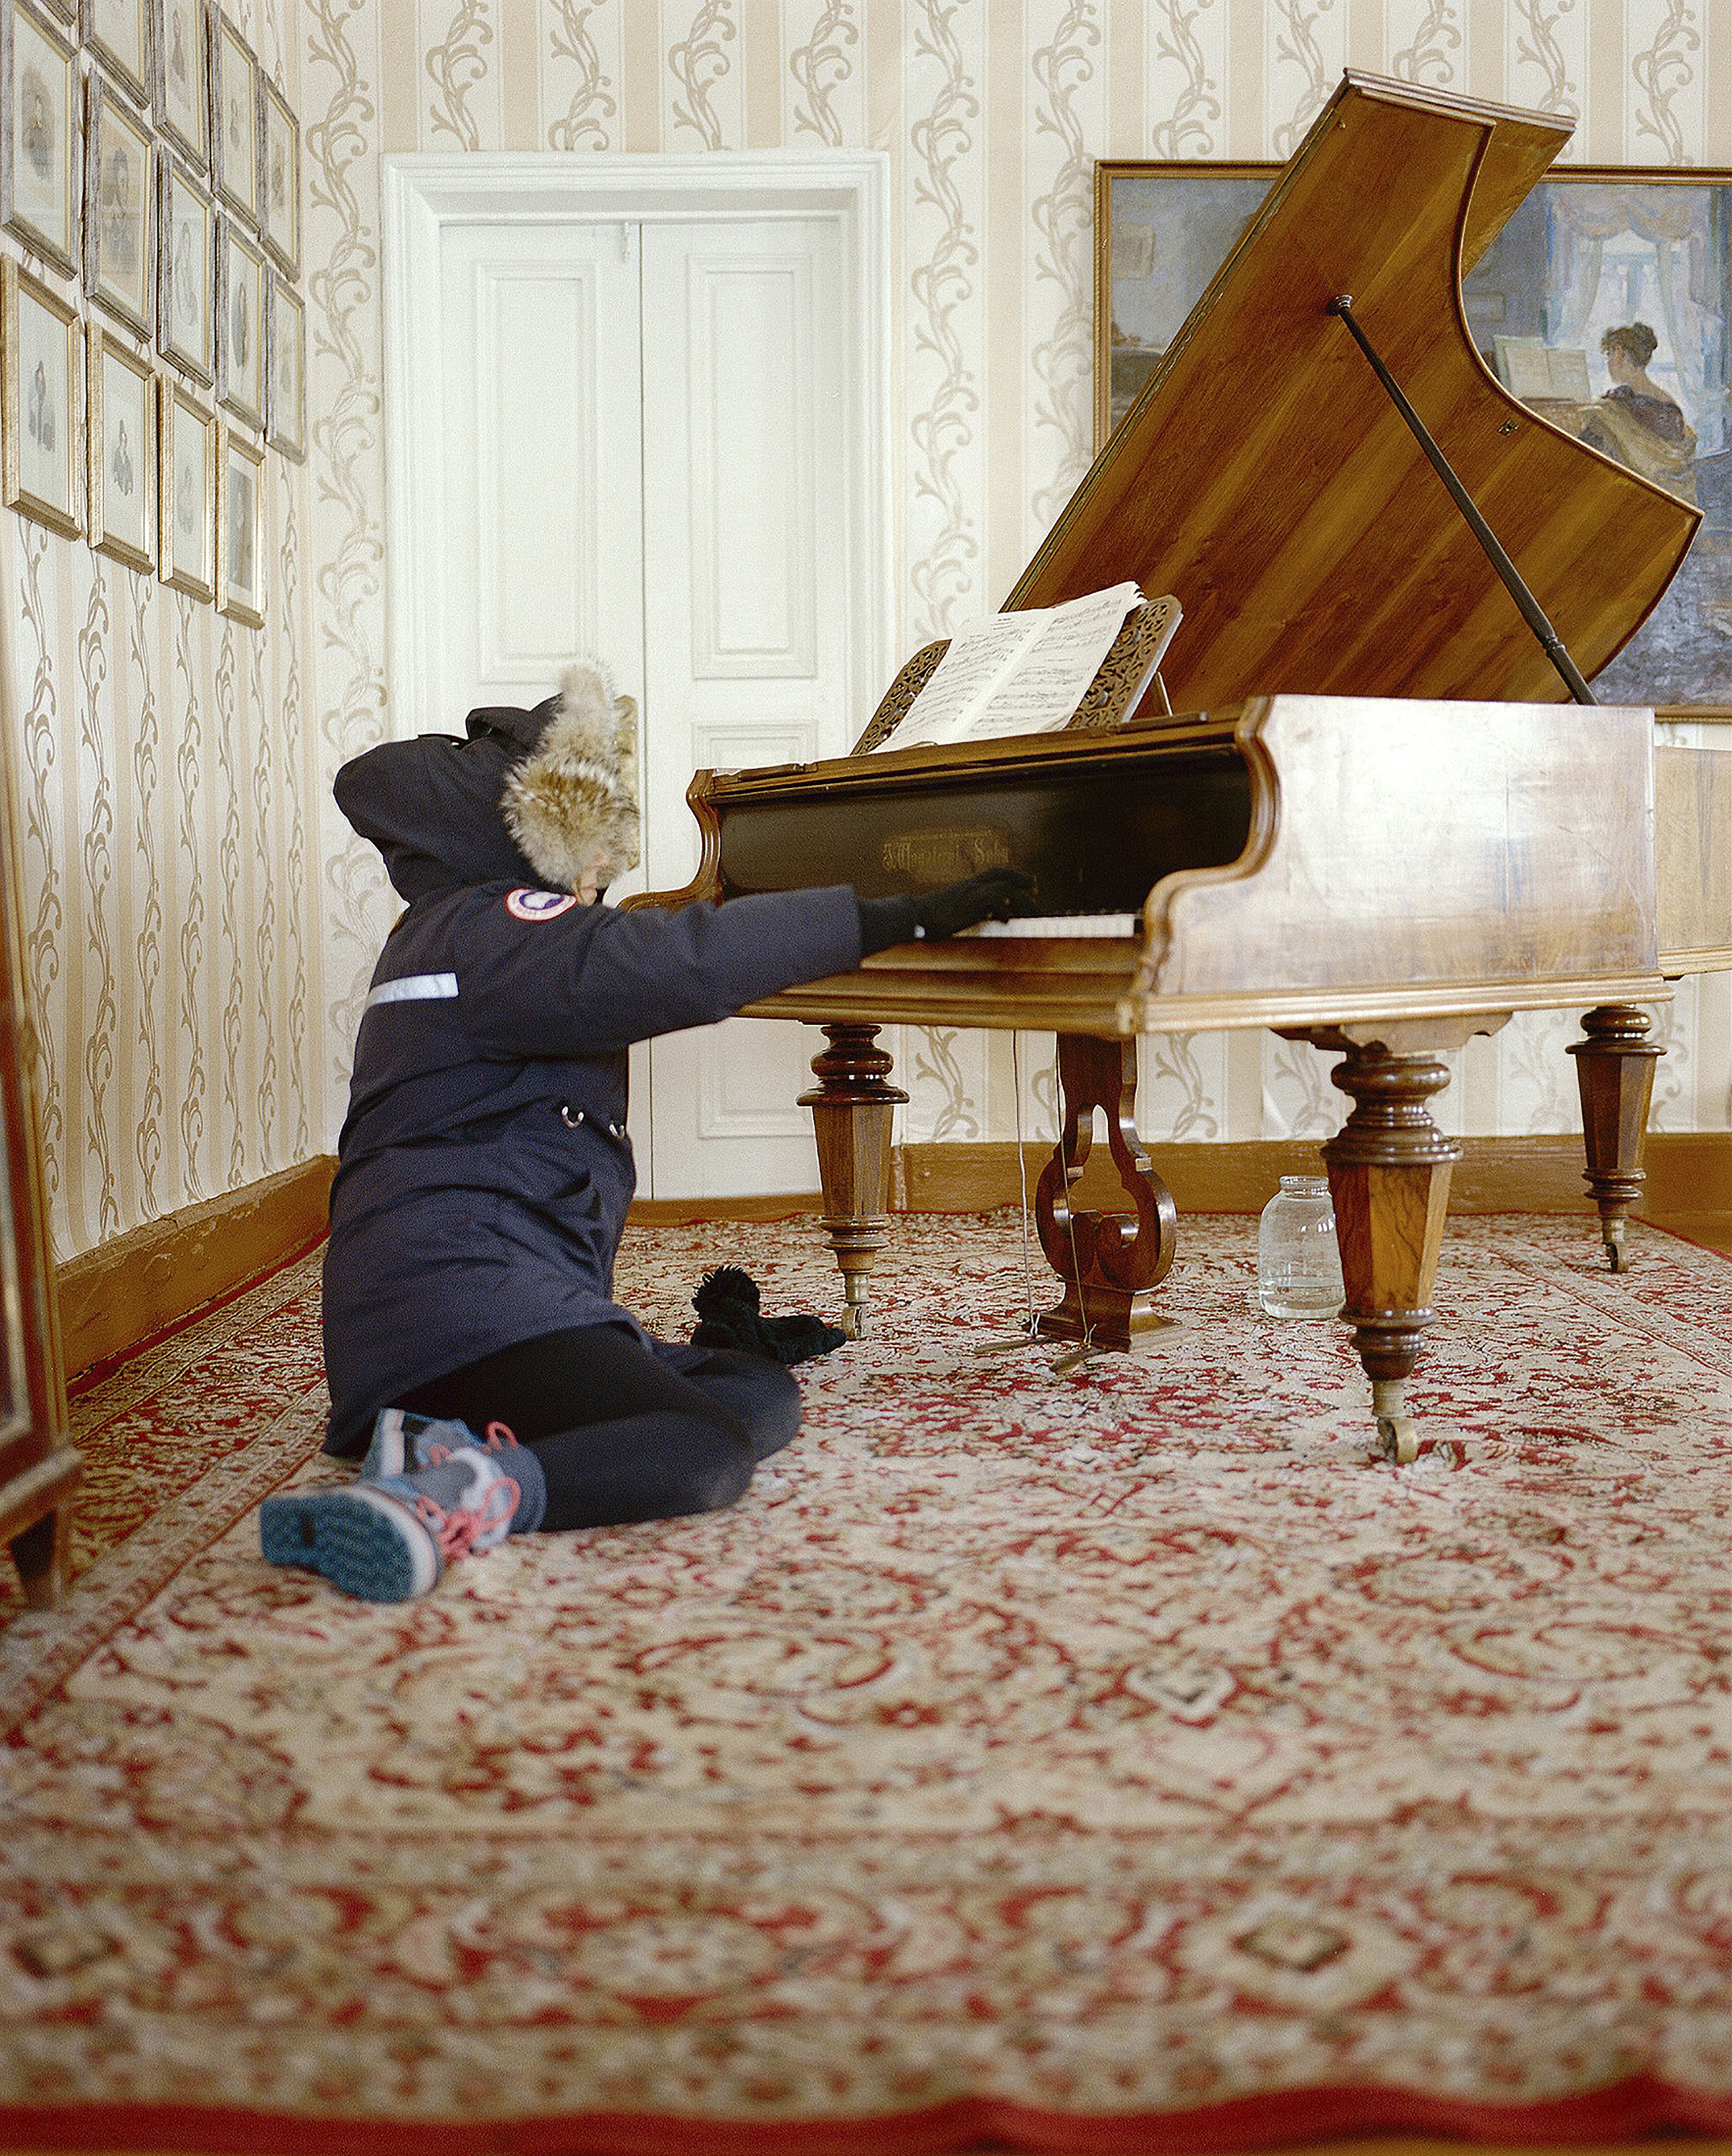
(727, 1302)
(994, 894)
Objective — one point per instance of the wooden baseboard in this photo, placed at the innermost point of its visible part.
(1689, 1177)
(115, 1295)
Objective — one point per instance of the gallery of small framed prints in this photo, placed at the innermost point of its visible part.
(40, 137)
(41, 421)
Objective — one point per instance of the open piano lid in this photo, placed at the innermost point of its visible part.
(1264, 477)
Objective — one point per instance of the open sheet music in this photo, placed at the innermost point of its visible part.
(1019, 673)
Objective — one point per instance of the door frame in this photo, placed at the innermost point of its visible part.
(423, 193)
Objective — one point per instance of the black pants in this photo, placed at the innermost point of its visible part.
(625, 1431)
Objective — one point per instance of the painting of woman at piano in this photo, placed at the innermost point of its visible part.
(1605, 303)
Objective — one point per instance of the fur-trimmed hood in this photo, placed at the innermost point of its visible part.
(436, 807)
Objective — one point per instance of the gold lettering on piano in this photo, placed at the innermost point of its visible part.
(934, 858)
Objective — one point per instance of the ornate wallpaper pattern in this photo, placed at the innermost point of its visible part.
(199, 924)
(992, 114)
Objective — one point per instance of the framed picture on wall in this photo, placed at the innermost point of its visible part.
(287, 345)
(41, 441)
(234, 103)
(1605, 304)
(118, 185)
(183, 79)
(119, 33)
(240, 324)
(122, 446)
(240, 547)
(186, 317)
(187, 461)
(39, 144)
(279, 143)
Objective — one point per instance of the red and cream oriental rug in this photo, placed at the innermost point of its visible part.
(1121, 1761)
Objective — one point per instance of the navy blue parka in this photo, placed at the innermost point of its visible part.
(484, 1171)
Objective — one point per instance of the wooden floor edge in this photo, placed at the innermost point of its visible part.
(126, 1289)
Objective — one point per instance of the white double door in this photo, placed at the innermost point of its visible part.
(645, 442)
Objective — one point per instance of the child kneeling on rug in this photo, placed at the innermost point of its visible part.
(484, 1169)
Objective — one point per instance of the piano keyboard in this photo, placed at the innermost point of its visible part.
(1062, 924)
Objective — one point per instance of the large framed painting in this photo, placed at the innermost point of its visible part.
(1606, 304)
(39, 146)
(41, 424)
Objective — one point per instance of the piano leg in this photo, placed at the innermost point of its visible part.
(1110, 1263)
(1615, 1069)
(1389, 1174)
(852, 1108)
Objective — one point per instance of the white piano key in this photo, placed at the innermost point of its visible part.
(1062, 924)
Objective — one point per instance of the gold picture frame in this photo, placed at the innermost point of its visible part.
(286, 342)
(41, 463)
(120, 209)
(240, 529)
(240, 324)
(186, 307)
(187, 492)
(235, 105)
(121, 437)
(40, 137)
(119, 33)
(278, 177)
(1590, 247)
(183, 79)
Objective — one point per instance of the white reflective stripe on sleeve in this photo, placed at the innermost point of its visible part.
(413, 989)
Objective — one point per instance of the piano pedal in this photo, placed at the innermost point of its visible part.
(1008, 1346)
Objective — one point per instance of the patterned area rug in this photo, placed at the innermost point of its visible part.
(1127, 1760)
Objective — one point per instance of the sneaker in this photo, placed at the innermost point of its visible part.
(390, 1539)
(404, 1442)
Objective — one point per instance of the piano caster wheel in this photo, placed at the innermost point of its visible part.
(854, 1320)
(1617, 1255)
(1399, 1437)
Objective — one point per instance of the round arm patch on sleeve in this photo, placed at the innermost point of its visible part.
(539, 904)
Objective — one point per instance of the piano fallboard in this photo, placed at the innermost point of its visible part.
(1352, 859)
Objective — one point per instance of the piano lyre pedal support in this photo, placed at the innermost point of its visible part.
(1109, 1263)
(1531, 611)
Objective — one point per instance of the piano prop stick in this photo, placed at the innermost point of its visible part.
(1373, 822)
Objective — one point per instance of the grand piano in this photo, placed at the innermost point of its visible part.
(1383, 812)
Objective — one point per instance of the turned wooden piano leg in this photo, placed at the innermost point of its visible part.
(1110, 1263)
(1615, 1069)
(852, 1107)
(1389, 1175)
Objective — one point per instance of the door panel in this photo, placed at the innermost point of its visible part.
(748, 604)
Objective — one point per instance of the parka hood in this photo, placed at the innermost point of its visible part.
(496, 803)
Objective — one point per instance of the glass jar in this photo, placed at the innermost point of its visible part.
(1299, 1264)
